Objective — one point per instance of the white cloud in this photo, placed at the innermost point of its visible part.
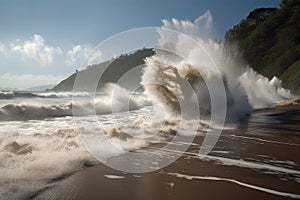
(24, 81)
(95, 57)
(3, 49)
(83, 53)
(77, 55)
(36, 49)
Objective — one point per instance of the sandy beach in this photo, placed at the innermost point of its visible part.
(255, 161)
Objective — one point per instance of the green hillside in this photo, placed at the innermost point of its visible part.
(114, 69)
(269, 41)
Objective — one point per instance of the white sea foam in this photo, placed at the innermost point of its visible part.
(35, 151)
(195, 58)
(62, 94)
(116, 99)
(114, 176)
(238, 163)
(252, 165)
(263, 140)
(240, 183)
(28, 162)
(15, 94)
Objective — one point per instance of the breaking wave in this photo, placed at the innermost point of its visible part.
(194, 57)
(116, 99)
(177, 61)
(14, 94)
(62, 94)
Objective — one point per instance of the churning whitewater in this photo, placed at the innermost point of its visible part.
(189, 55)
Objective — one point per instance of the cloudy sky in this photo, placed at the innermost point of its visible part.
(44, 41)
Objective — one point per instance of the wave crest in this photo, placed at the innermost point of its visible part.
(14, 95)
(189, 54)
(115, 99)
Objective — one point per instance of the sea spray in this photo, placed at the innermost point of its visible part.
(34, 152)
(192, 54)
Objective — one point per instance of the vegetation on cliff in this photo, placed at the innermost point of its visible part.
(114, 70)
(269, 41)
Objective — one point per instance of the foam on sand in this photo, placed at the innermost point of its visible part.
(255, 187)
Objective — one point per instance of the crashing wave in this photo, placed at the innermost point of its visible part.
(186, 54)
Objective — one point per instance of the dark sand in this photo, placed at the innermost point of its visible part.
(266, 137)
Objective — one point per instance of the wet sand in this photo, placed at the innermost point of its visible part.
(257, 160)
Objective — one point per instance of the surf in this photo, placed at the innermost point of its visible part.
(190, 53)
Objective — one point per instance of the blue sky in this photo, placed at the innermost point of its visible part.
(46, 39)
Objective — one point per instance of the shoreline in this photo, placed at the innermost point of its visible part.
(102, 182)
(189, 177)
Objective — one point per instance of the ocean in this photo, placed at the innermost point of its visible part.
(39, 139)
(202, 116)
(42, 141)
